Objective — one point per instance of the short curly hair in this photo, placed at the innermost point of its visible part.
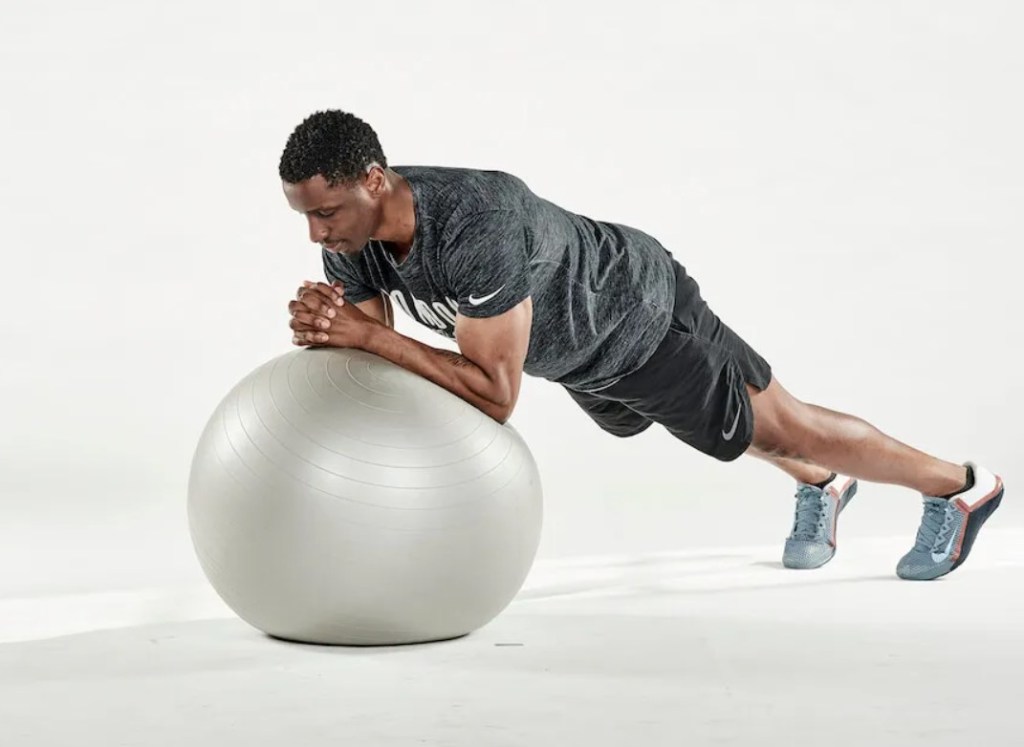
(335, 144)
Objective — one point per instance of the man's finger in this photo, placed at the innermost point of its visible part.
(336, 295)
(325, 302)
(304, 342)
(301, 312)
(298, 307)
(305, 321)
(310, 337)
(315, 302)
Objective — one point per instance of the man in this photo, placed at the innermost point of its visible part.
(602, 309)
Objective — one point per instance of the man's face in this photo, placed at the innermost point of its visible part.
(341, 218)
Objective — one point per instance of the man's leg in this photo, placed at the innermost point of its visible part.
(710, 389)
(613, 417)
(785, 427)
(800, 470)
(788, 428)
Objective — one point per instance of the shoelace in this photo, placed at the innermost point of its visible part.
(811, 510)
(935, 525)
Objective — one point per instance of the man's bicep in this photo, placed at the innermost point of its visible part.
(498, 345)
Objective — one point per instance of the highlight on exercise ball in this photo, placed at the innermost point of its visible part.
(337, 498)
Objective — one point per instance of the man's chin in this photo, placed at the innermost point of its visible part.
(343, 249)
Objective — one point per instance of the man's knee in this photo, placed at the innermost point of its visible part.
(784, 427)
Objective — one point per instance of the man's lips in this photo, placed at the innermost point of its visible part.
(333, 247)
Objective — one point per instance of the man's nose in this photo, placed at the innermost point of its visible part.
(317, 231)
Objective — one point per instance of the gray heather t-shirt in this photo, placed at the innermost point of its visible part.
(602, 292)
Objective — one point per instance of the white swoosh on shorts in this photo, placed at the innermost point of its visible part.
(732, 431)
(484, 299)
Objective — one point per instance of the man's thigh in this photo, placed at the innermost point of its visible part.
(613, 417)
(697, 383)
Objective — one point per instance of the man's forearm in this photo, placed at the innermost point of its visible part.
(454, 372)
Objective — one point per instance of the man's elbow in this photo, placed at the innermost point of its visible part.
(502, 407)
(501, 393)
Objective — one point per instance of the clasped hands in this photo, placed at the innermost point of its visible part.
(321, 316)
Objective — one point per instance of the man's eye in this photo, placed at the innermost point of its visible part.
(325, 213)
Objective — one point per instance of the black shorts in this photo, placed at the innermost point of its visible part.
(694, 384)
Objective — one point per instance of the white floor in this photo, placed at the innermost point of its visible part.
(703, 647)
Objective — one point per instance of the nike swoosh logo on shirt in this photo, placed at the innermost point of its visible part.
(484, 299)
(727, 435)
(939, 557)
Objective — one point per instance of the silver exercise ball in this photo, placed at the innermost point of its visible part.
(337, 498)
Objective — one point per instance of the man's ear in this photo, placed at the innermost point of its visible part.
(375, 179)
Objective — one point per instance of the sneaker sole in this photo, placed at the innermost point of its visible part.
(808, 567)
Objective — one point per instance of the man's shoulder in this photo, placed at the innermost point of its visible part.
(450, 173)
(454, 196)
(461, 184)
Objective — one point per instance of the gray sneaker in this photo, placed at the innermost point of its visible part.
(812, 543)
(949, 527)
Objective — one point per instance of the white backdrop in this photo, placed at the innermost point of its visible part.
(843, 179)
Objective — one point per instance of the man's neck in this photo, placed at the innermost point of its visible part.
(398, 220)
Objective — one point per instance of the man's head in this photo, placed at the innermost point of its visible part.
(332, 170)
